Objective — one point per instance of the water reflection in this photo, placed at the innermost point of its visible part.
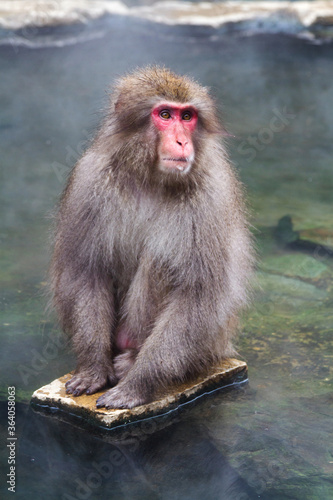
(173, 457)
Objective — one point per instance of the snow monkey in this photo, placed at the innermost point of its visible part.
(152, 253)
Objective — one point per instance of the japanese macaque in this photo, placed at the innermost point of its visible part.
(152, 254)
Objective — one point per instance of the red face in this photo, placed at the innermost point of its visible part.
(176, 124)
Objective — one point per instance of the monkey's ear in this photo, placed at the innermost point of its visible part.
(118, 105)
(122, 102)
(118, 99)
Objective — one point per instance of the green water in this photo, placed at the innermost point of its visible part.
(272, 439)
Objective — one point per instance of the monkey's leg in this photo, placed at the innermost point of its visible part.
(91, 322)
(182, 343)
(137, 316)
(123, 362)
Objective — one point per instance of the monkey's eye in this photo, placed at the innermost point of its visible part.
(186, 116)
(165, 114)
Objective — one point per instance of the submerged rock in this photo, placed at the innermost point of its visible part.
(294, 240)
(53, 397)
(294, 265)
(291, 291)
(284, 231)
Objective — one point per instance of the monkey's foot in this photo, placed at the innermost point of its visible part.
(120, 397)
(85, 382)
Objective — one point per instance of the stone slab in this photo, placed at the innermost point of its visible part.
(53, 397)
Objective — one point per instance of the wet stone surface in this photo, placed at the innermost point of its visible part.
(53, 396)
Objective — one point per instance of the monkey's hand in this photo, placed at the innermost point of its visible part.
(121, 396)
(85, 381)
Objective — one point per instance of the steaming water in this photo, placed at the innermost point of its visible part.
(271, 439)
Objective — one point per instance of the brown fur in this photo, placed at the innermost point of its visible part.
(150, 269)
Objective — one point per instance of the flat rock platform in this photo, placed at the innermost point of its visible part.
(53, 397)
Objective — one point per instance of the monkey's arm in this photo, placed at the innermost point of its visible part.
(181, 344)
(85, 307)
(83, 291)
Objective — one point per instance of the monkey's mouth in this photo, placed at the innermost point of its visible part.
(181, 164)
